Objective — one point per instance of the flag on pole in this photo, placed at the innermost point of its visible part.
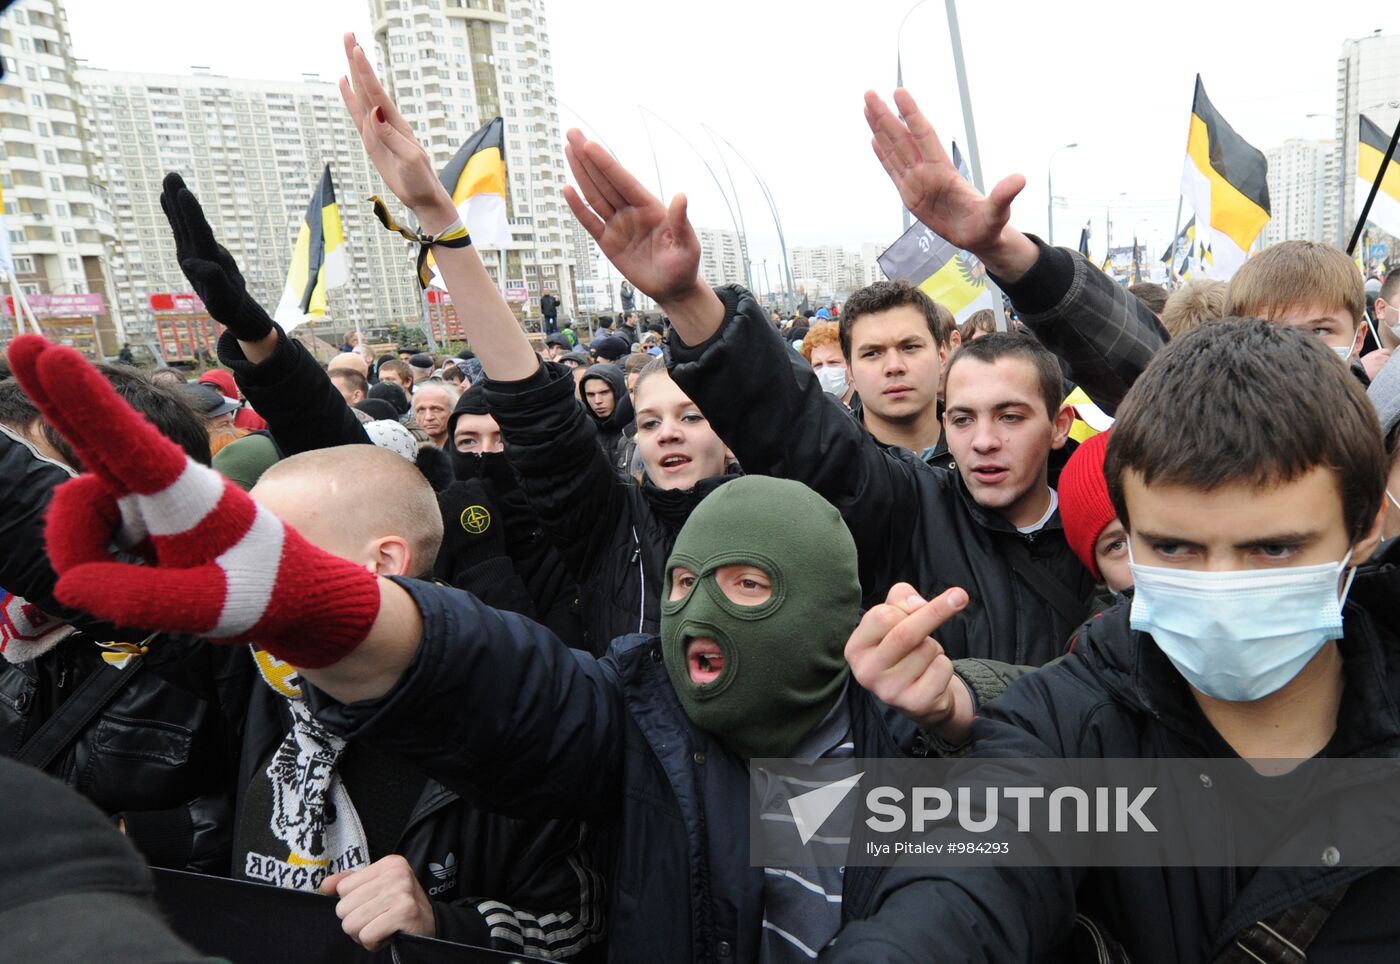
(1084, 241)
(1385, 210)
(318, 259)
(1177, 257)
(476, 179)
(950, 276)
(1225, 180)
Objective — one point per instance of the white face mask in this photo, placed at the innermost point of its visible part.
(832, 379)
(1343, 352)
(1240, 636)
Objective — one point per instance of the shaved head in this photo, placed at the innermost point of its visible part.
(351, 360)
(347, 500)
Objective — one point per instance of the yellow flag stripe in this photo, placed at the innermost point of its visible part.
(1368, 165)
(1231, 213)
(485, 173)
(950, 288)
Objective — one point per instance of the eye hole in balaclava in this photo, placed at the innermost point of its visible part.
(783, 663)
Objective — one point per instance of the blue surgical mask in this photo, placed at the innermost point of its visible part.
(1240, 636)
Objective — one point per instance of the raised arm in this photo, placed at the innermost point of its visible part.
(1106, 335)
(490, 325)
(295, 396)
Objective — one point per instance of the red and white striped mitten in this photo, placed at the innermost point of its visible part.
(222, 567)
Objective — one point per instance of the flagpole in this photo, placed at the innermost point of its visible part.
(1375, 189)
(975, 155)
(1176, 234)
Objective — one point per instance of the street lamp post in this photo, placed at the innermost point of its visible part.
(1050, 193)
(899, 82)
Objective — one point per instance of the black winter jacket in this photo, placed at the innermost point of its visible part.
(492, 881)
(159, 754)
(1118, 696)
(910, 522)
(528, 727)
(614, 533)
(619, 427)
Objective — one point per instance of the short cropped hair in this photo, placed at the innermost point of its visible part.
(351, 379)
(399, 368)
(1297, 274)
(884, 295)
(1245, 401)
(1390, 287)
(166, 408)
(825, 333)
(1151, 294)
(375, 492)
(1193, 304)
(1014, 344)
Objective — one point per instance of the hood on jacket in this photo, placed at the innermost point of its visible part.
(622, 415)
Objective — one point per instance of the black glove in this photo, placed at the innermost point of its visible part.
(473, 554)
(211, 270)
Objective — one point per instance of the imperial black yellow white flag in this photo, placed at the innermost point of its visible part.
(1084, 241)
(318, 259)
(476, 178)
(1226, 183)
(1385, 209)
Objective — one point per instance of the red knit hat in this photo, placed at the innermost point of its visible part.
(1084, 506)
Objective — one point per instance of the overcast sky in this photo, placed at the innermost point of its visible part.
(782, 80)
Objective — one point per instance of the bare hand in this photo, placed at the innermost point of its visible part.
(379, 901)
(892, 654)
(653, 246)
(391, 144)
(934, 192)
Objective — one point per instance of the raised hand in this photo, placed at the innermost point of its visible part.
(932, 190)
(391, 144)
(221, 566)
(893, 655)
(208, 266)
(653, 246)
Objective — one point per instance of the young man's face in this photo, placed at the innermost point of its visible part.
(1000, 434)
(599, 396)
(1111, 555)
(896, 366)
(1333, 325)
(477, 434)
(827, 356)
(406, 383)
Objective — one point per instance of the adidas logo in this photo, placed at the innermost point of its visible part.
(445, 870)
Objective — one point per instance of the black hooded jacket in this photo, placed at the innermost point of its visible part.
(620, 425)
(614, 533)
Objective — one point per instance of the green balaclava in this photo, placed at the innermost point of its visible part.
(784, 659)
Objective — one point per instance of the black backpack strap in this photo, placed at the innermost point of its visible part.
(89, 699)
(1070, 607)
(1285, 937)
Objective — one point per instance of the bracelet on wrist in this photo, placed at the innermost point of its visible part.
(455, 235)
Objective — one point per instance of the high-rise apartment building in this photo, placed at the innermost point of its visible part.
(1368, 82)
(56, 205)
(1302, 192)
(253, 151)
(831, 271)
(452, 66)
(722, 256)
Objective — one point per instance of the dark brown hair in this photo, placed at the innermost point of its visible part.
(1015, 344)
(1243, 400)
(1151, 294)
(884, 295)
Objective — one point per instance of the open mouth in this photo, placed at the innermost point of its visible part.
(705, 660)
(991, 474)
(674, 463)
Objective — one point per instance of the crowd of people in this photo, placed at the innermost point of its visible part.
(481, 645)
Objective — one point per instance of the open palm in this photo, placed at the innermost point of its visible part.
(653, 246)
(928, 183)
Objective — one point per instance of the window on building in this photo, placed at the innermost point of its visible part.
(24, 264)
(74, 265)
(55, 183)
(66, 237)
